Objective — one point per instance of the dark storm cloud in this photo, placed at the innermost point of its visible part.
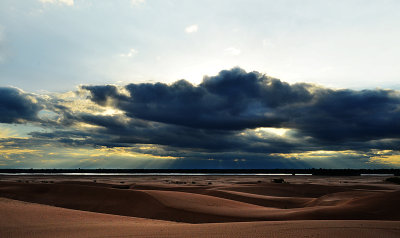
(349, 115)
(235, 100)
(16, 106)
(216, 118)
(102, 94)
(116, 131)
(213, 116)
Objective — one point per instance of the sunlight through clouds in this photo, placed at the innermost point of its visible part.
(388, 157)
(262, 131)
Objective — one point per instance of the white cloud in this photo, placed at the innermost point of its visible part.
(192, 29)
(232, 51)
(137, 2)
(267, 43)
(47, 1)
(67, 2)
(131, 53)
(63, 2)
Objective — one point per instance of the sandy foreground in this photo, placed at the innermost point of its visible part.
(198, 206)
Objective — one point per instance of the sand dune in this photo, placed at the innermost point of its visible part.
(216, 208)
(213, 204)
(21, 219)
(261, 200)
(135, 203)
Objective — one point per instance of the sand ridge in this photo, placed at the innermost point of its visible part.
(220, 206)
(22, 219)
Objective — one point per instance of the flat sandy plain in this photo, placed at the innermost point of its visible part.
(198, 206)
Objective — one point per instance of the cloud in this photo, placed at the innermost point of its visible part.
(344, 115)
(192, 29)
(232, 117)
(387, 157)
(102, 94)
(232, 100)
(60, 2)
(235, 100)
(17, 106)
(233, 51)
(267, 43)
(131, 53)
(137, 2)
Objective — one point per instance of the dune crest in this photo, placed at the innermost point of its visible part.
(229, 201)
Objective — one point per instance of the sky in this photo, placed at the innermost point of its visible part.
(199, 84)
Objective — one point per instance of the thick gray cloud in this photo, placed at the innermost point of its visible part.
(16, 106)
(217, 119)
(343, 115)
(235, 100)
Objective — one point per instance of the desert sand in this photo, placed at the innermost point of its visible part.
(198, 206)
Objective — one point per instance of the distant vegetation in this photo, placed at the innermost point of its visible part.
(320, 172)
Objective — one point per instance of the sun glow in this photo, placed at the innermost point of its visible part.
(388, 157)
(317, 154)
(262, 131)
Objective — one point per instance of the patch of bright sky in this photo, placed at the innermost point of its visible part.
(337, 159)
(65, 157)
(18, 130)
(56, 45)
(271, 130)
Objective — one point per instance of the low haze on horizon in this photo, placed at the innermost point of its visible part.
(199, 84)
